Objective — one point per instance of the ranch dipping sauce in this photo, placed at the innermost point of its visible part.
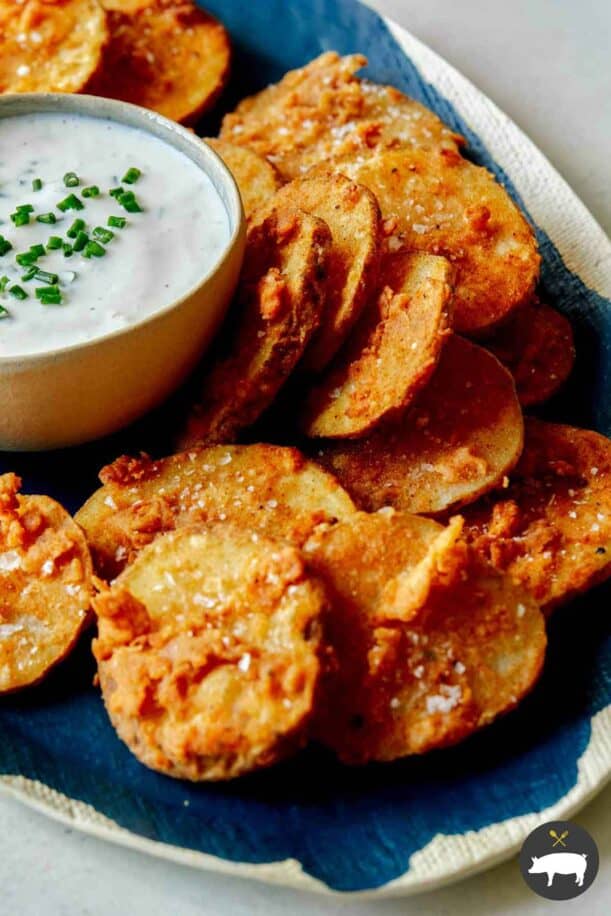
(139, 249)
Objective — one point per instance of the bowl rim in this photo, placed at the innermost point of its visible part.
(184, 141)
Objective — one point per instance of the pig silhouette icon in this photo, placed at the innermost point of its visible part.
(560, 863)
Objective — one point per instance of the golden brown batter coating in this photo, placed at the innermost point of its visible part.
(352, 215)
(459, 440)
(550, 530)
(45, 585)
(537, 346)
(392, 352)
(323, 111)
(168, 55)
(256, 178)
(278, 308)
(209, 652)
(50, 45)
(270, 489)
(436, 201)
(431, 644)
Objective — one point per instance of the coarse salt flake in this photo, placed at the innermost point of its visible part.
(9, 561)
(446, 700)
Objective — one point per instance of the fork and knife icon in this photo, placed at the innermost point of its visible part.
(559, 840)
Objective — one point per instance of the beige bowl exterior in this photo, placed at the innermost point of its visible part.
(89, 390)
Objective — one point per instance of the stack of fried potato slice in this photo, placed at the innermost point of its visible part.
(253, 596)
(255, 606)
(168, 55)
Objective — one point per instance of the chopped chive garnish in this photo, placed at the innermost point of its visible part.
(5, 245)
(54, 242)
(71, 180)
(131, 176)
(71, 202)
(80, 241)
(116, 192)
(128, 202)
(68, 249)
(25, 258)
(92, 191)
(51, 299)
(37, 184)
(4, 313)
(18, 292)
(49, 295)
(117, 222)
(103, 235)
(45, 277)
(94, 250)
(37, 250)
(77, 226)
(4, 281)
(25, 208)
(20, 218)
(42, 291)
(48, 218)
(29, 274)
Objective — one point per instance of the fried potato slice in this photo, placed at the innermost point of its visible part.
(537, 346)
(550, 530)
(431, 644)
(352, 214)
(392, 352)
(268, 488)
(45, 585)
(438, 202)
(459, 440)
(277, 309)
(50, 45)
(256, 178)
(167, 55)
(322, 112)
(209, 652)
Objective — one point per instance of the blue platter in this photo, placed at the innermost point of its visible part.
(350, 829)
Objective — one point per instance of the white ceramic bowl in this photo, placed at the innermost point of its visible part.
(82, 392)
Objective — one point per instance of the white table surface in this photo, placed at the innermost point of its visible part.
(546, 63)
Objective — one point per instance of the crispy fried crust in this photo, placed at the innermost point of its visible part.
(438, 202)
(537, 346)
(45, 585)
(208, 652)
(50, 45)
(168, 55)
(462, 436)
(431, 644)
(278, 308)
(322, 111)
(268, 488)
(551, 528)
(352, 214)
(256, 178)
(392, 352)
